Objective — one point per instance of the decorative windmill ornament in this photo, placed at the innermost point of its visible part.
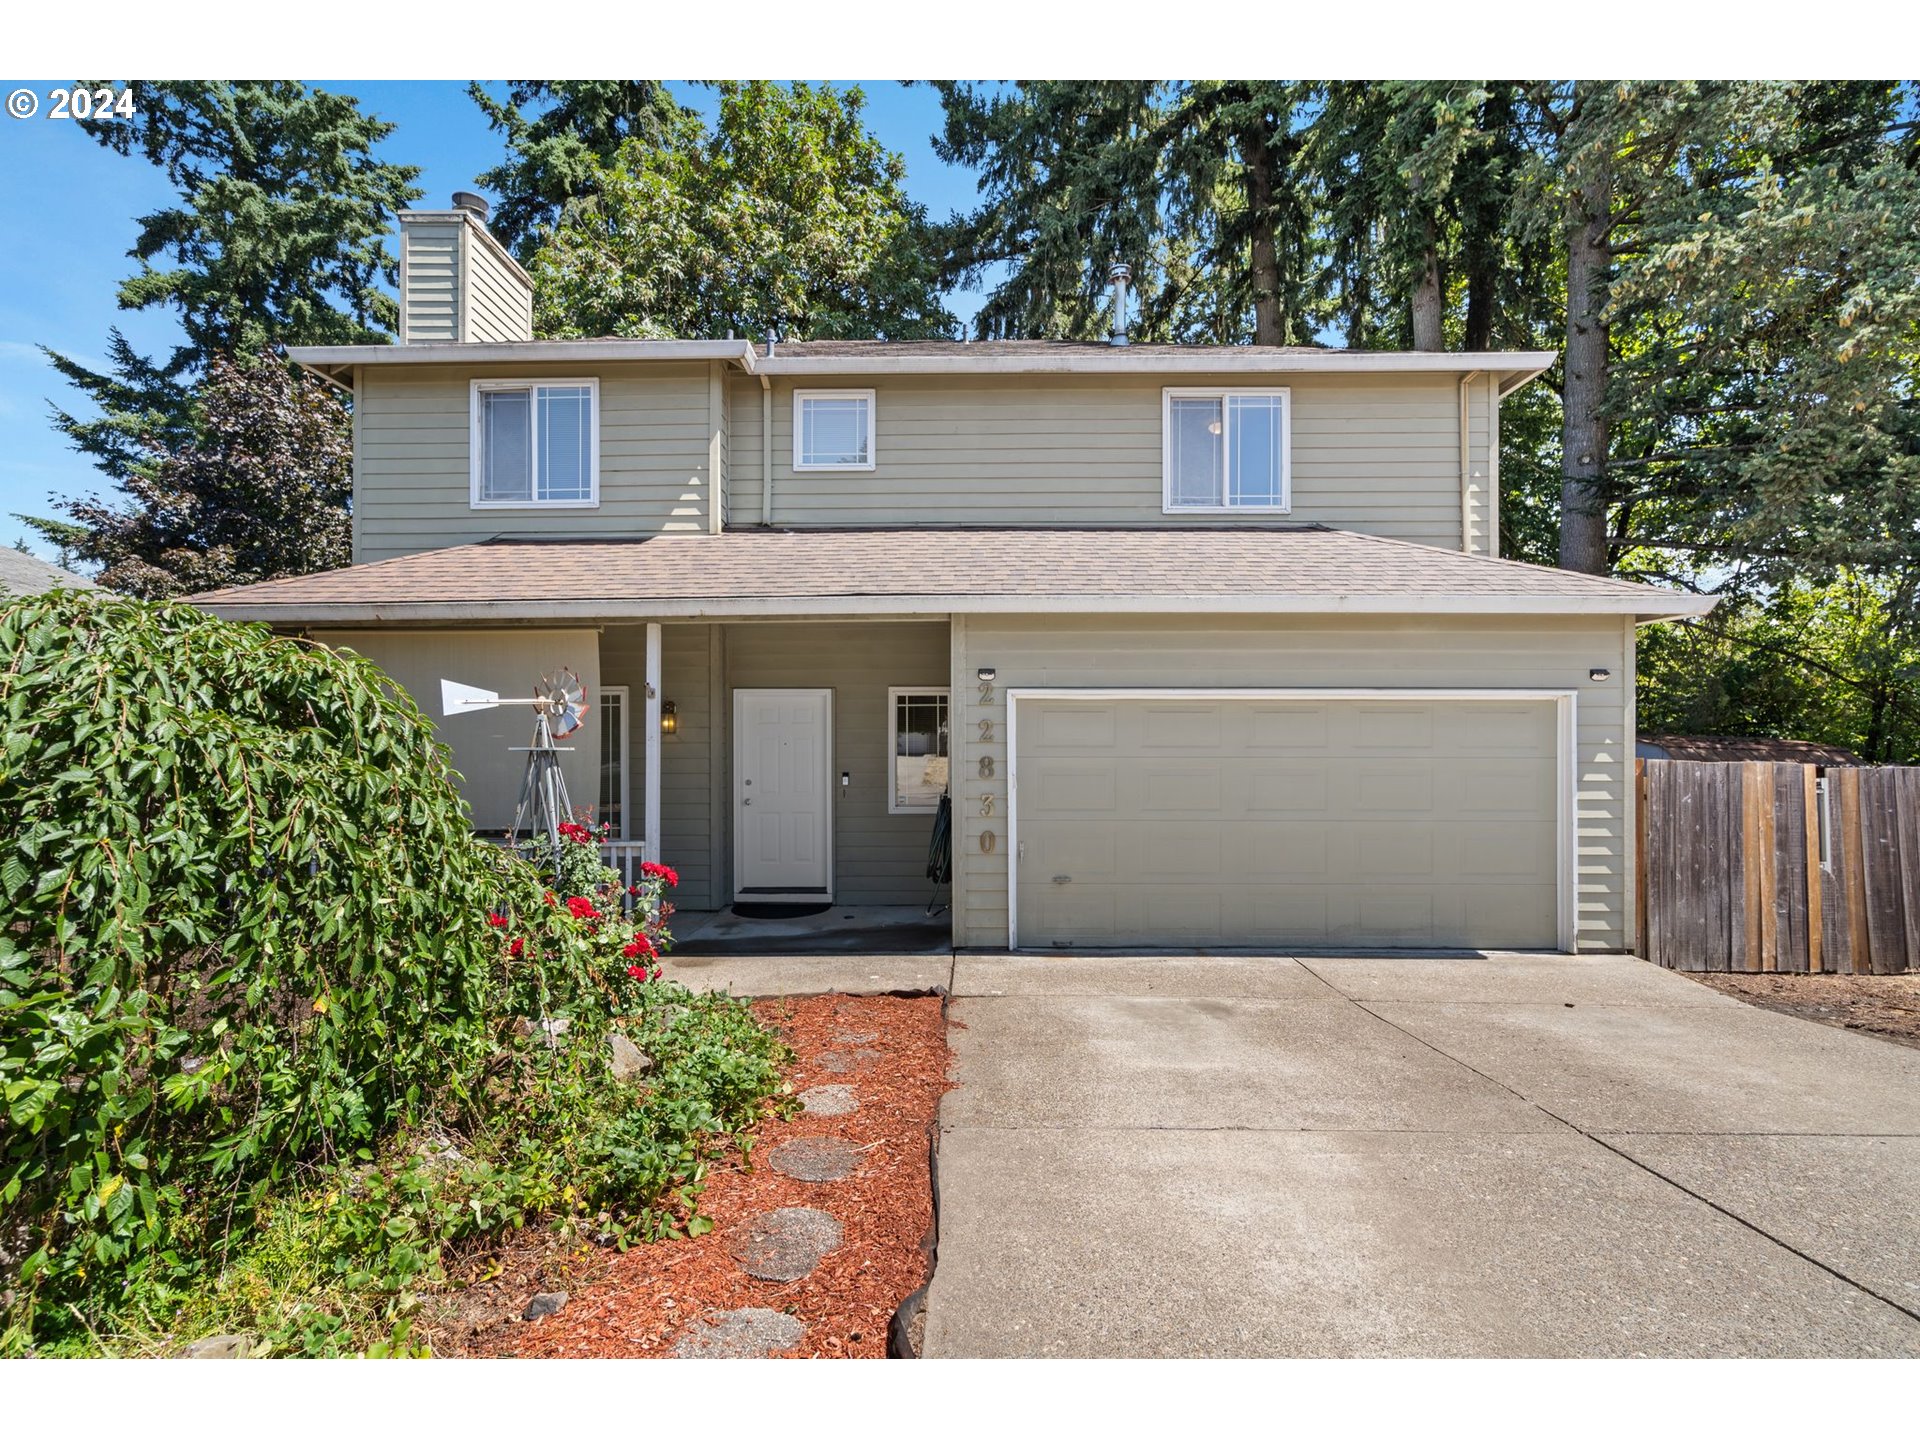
(559, 709)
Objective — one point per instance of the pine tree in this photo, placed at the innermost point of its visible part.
(278, 237)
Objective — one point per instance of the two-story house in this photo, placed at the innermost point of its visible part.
(1211, 644)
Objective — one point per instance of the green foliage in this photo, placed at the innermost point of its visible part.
(556, 156)
(1825, 663)
(258, 487)
(239, 882)
(277, 238)
(788, 214)
(250, 953)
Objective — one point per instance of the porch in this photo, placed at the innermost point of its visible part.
(778, 761)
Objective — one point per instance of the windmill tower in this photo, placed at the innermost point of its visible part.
(559, 708)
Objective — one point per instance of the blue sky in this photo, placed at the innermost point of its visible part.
(69, 212)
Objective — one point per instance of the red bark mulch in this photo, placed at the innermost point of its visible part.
(641, 1303)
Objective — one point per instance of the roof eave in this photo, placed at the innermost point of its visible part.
(523, 352)
(593, 611)
(1124, 361)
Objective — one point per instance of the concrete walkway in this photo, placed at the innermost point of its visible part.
(1515, 1155)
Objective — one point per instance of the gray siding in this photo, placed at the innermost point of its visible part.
(1378, 454)
(1201, 651)
(412, 475)
(879, 859)
(498, 301)
(509, 662)
(429, 281)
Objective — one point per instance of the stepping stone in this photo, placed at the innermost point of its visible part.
(855, 1037)
(839, 1062)
(785, 1244)
(829, 1100)
(817, 1160)
(750, 1334)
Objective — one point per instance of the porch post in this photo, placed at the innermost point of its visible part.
(651, 745)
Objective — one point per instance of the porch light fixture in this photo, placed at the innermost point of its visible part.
(1599, 672)
(669, 718)
(985, 674)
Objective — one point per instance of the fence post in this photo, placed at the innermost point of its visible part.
(1640, 858)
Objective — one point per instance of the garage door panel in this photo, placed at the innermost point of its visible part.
(1071, 729)
(1522, 851)
(1063, 788)
(1485, 728)
(1273, 788)
(1393, 727)
(1187, 787)
(1088, 852)
(1287, 729)
(1277, 823)
(1188, 727)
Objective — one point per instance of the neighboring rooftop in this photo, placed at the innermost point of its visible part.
(931, 570)
(24, 574)
(1742, 747)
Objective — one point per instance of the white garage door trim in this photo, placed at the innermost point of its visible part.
(1567, 876)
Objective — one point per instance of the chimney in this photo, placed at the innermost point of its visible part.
(1118, 274)
(457, 283)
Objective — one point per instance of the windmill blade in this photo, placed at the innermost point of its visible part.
(457, 699)
(569, 703)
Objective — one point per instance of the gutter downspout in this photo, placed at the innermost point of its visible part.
(1466, 460)
(766, 451)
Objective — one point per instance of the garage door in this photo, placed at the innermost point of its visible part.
(1286, 822)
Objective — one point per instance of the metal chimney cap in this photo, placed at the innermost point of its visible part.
(467, 200)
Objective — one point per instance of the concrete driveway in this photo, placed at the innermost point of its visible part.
(1513, 1155)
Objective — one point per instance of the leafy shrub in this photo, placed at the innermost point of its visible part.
(253, 953)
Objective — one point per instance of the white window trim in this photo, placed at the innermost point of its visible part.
(1221, 392)
(799, 399)
(476, 446)
(626, 753)
(894, 692)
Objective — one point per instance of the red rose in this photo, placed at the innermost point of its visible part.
(499, 922)
(637, 972)
(581, 908)
(517, 949)
(660, 872)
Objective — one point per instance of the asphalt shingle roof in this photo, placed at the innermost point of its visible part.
(927, 569)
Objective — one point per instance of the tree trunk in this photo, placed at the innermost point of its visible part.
(1583, 461)
(1486, 191)
(1269, 324)
(1429, 304)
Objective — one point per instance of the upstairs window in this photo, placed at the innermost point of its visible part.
(536, 442)
(833, 429)
(1227, 450)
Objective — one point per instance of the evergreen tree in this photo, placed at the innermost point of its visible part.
(1197, 185)
(260, 489)
(556, 155)
(278, 237)
(787, 214)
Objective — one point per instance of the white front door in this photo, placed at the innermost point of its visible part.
(782, 810)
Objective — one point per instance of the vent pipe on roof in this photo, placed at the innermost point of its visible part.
(467, 200)
(1118, 274)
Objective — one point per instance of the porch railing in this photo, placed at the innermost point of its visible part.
(626, 856)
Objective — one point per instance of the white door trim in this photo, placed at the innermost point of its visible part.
(829, 802)
(1567, 888)
(626, 752)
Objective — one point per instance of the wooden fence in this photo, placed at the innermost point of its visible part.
(1760, 866)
